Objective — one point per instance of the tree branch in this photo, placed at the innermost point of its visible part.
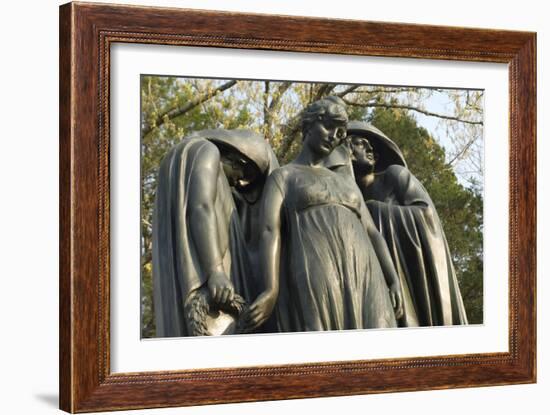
(348, 90)
(189, 105)
(411, 108)
(385, 90)
(276, 99)
(266, 104)
(324, 89)
(461, 152)
(273, 106)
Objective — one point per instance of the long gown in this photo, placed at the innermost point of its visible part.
(330, 276)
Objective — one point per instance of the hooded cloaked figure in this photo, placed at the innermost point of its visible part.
(405, 215)
(208, 187)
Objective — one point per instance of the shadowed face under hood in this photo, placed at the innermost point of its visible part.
(249, 143)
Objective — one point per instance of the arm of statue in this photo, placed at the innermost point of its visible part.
(270, 250)
(384, 257)
(203, 224)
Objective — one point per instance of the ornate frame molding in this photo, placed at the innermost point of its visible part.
(86, 33)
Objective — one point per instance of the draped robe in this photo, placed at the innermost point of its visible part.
(405, 215)
(177, 271)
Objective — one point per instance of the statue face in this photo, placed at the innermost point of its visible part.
(362, 152)
(325, 135)
(239, 170)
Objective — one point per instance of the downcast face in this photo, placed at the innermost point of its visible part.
(240, 170)
(325, 135)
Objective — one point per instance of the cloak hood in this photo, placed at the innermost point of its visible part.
(387, 150)
(250, 144)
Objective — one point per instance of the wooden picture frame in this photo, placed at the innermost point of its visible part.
(86, 33)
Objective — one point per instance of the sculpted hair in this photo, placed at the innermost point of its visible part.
(331, 106)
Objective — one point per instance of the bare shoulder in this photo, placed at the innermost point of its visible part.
(279, 177)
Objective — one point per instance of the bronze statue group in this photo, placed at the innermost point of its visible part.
(343, 237)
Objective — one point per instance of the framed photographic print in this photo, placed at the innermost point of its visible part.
(260, 207)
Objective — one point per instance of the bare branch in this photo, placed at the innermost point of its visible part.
(461, 152)
(349, 90)
(276, 99)
(266, 103)
(324, 89)
(411, 108)
(385, 90)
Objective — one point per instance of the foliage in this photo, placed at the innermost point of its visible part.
(172, 108)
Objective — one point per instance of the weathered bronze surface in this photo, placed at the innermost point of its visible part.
(208, 192)
(405, 215)
(240, 245)
(323, 260)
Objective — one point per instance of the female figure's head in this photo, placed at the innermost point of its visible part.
(324, 125)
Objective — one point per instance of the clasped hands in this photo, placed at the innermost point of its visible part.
(220, 287)
(222, 292)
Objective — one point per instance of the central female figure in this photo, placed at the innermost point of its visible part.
(326, 266)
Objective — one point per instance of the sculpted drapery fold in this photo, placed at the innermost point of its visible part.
(179, 268)
(405, 215)
(343, 237)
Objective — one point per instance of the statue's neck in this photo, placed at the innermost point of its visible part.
(308, 158)
(365, 181)
(251, 193)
